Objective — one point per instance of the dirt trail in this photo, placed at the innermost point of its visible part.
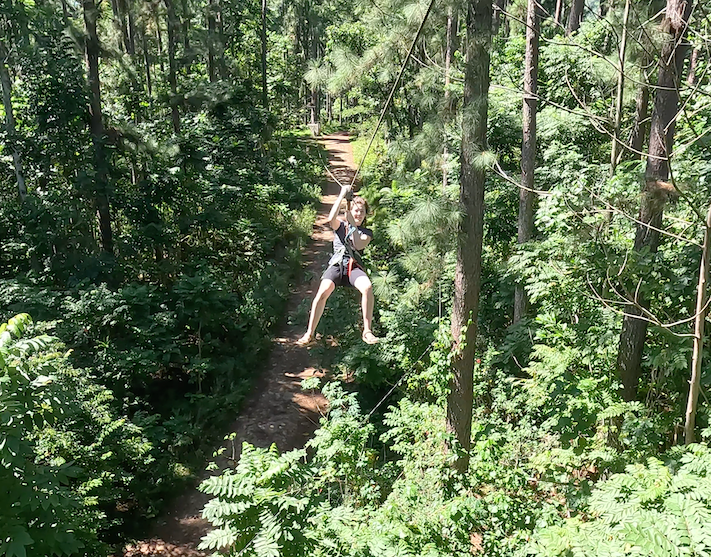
(277, 411)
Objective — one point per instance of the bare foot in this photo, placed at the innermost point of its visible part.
(305, 340)
(369, 338)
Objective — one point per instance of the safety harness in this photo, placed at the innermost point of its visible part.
(346, 251)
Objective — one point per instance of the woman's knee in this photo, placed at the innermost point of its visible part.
(325, 289)
(363, 284)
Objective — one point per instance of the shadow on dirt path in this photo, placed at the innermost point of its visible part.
(277, 411)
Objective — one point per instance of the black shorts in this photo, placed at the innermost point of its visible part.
(337, 273)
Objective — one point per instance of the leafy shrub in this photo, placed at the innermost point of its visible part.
(261, 508)
(652, 510)
(39, 514)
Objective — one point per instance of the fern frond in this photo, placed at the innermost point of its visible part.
(14, 328)
(218, 539)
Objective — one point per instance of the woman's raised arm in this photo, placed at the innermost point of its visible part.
(333, 215)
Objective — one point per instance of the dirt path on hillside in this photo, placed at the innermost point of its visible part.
(277, 411)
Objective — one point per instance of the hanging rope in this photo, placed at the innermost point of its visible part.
(327, 167)
(397, 384)
(392, 91)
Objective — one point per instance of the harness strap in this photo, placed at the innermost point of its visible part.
(352, 255)
(344, 251)
(350, 230)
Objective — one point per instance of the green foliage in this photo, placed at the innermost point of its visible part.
(343, 455)
(168, 331)
(652, 510)
(260, 508)
(114, 457)
(354, 501)
(568, 71)
(39, 513)
(169, 356)
(159, 337)
(504, 127)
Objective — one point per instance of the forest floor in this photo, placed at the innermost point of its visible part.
(277, 410)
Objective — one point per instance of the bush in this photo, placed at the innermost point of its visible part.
(651, 509)
(40, 514)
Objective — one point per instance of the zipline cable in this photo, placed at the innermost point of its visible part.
(375, 132)
(377, 127)
(392, 91)
(328, 169)
(397, 384)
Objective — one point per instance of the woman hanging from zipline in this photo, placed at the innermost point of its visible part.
(345, 267)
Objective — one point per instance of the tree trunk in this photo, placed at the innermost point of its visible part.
(558, 17)
(123, 13)
(65, 13)
(147, 63)
(186, 32)
(448, 55)
(211, 29)
(639, 131)
(575, 16)
(656, 192)
(263, 37)
(527, 198)
(172, 65)
(314, 106)
(315, 91)
(693, 65)
(118, 24)
(499, 15)
(467, 280)
(701, 310)
(131, 47)
(411, 123)
(616, 145)
(10, 120)
(96, 124)
(159, 38)
(220, 42)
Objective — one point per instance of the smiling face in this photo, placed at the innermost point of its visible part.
(359, 208)
(358, 212)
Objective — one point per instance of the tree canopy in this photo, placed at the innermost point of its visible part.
(540, 198)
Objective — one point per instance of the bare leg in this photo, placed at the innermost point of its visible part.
(325, 289)
(364, 286)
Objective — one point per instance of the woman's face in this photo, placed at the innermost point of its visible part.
(358, 212)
